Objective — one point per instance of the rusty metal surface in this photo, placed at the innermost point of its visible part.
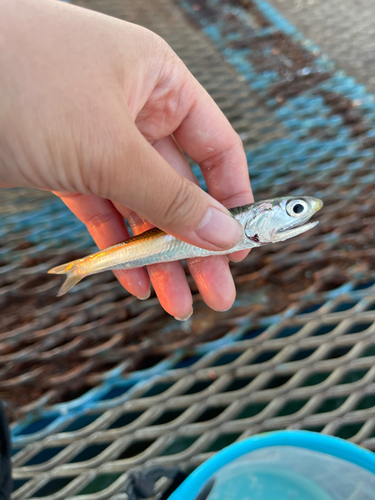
(344, 30)
(98, 383)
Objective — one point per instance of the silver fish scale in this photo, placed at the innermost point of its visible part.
(98, 383)
(162, 248)
(261, 223)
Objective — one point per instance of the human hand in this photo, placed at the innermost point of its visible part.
(90, 107)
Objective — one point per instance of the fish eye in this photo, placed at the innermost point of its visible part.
(296, 208)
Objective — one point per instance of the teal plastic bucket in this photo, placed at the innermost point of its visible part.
(284, 465)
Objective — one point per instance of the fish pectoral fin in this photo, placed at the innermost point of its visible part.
(72, 278)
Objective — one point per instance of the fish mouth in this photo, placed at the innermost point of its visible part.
(295, 231)
(319, 205)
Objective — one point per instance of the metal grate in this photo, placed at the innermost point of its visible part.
(98, 383)
(344, 30)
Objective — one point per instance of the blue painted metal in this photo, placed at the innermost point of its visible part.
(300, 115)
(299, 152)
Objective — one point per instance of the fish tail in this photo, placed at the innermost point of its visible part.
(74, 275)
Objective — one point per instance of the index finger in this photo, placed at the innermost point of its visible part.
(208, 138)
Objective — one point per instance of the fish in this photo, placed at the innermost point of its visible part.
(263, 222)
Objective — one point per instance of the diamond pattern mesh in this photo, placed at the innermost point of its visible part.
(344, 30)
(98, 383)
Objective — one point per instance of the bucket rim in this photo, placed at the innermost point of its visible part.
(314, 441)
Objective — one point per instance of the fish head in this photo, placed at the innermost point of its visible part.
(281, 218)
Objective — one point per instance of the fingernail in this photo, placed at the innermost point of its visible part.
(144, 297)
(184, 318)
(220, 229)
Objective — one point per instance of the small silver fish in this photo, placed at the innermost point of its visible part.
(264, 222)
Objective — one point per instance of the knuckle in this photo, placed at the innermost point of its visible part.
(96, 222)
(224, 156)
(182, 205)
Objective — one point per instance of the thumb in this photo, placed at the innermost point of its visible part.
(149, 186)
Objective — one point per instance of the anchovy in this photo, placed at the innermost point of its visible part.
(263, 222)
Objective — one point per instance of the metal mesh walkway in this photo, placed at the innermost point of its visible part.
(98, 383)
